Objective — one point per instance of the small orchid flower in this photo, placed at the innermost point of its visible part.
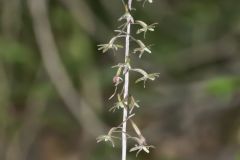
(141, 142)
(110, 45)
(127, 16)
(117, 80)
(142, 48)
(105, 138)
(141, 147)
(146, 76)
(125, 66)
(109, 137)
(145, 27)
(119, 104)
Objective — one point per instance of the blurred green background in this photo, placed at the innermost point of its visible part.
(54, 84)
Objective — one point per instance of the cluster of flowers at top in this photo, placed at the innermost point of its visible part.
(121, 33)
(141, 49)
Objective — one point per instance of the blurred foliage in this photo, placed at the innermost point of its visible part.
(223, 86)
(195, 48)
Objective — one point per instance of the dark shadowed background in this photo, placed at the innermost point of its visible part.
(54, 84)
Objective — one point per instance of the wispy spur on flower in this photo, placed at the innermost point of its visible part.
(132, 104)
(144, 1)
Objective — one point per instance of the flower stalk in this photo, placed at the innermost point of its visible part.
(126, 101)
(126, 84)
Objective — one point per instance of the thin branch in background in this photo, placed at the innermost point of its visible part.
(56, 71)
